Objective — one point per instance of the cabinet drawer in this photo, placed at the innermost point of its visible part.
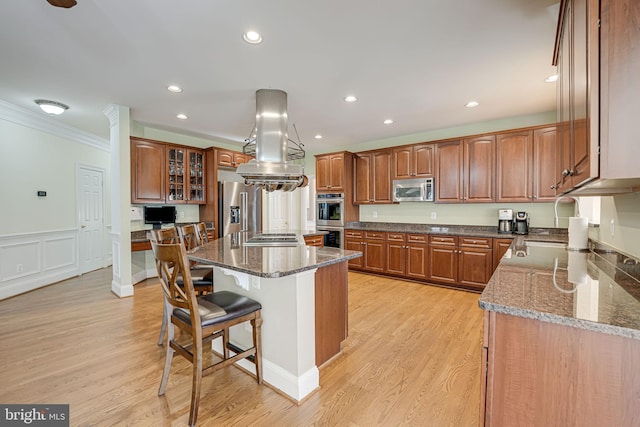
(418, 238)
(396, 237)
(443, 240)
(375, 235)
(476, 242)
(314, 240)
(353, 233)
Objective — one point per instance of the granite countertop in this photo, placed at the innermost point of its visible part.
(596, 289)
(451, 230)
(230, 252)
(142, 235)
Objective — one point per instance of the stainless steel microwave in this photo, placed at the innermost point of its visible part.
(413, 190)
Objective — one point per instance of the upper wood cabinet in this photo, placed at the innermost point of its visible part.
(331, 171)
(186, 175)
(148, 174)
(231, 159)
(413, 161)
(544, 164)
(465, 170)
(372, 175)
(514, 167)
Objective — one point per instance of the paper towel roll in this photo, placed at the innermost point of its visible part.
(577, 267)
(578, 232)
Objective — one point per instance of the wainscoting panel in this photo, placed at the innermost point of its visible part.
(30, 261)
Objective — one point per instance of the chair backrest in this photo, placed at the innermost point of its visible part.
(202, 231)
(189, 236)
(164, 235)
(173, 265)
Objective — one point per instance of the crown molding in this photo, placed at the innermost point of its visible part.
(22, 116)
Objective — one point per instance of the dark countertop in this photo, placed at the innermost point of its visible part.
(230, 252)
(596, 289)
(451, 230)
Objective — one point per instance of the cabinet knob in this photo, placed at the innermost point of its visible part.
(553, 187)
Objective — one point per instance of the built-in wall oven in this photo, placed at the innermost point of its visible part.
(330, 218)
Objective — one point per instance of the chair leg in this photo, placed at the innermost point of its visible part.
(257, 343)
(225, 343)
(165, 319)
(167, 361)
(197, 380)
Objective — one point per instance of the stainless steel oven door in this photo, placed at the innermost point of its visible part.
(335, 238)
(330, 212)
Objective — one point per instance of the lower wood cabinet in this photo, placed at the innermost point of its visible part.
(443, 259)
(396, 249)
(314, 240)
(418, 256)
(375, 252)
(476, 262)
(353, 241)
(500, 247)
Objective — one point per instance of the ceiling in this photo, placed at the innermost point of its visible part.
(417, 62)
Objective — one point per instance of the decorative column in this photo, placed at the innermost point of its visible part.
(118, 115)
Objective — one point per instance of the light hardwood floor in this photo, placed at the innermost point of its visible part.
(412, 358)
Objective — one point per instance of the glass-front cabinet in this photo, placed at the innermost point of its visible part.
(186, 175)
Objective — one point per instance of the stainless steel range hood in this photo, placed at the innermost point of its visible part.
(270, 168)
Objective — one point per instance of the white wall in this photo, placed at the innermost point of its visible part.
(624, 212)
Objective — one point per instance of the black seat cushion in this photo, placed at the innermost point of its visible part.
(201, 278)
(219, 307)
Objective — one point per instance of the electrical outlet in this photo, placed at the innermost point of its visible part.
(18, 268)
(613, 228)
(434, 215)
(375, 214)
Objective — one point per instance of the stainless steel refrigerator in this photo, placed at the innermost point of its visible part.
(239, 208)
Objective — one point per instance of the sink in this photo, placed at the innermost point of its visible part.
(545, 244)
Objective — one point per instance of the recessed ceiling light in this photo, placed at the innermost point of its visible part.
(551, 79)
(388, 122)
(182, 116)
(350, 98)
(472, 104)
(174, 89)
(318, 136)
(51, 107)
(252, 37)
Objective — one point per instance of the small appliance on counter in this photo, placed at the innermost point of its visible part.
(505, 220)
(521, 223)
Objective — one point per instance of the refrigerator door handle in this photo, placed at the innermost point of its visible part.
(243, 210)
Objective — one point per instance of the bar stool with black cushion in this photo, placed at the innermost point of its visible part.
(201, 276)
(204, 318)
(202, 231)
(191, 238)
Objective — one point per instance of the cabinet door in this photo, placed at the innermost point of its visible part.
(196, 176)
(513, 168)
(476, 267)
(362, 175)
(178, 169)
(375, 255)
(336, 172)
(417, 256)
(355, 245)
(423, 160)
(500, 247)
(443, 264)
(402, 162)
(448, 182)
(323, 173)
(396, 250)
(544, 164)
(380, 176)
(479, 169)
(240, 158)
(225, 158)
(147, 172)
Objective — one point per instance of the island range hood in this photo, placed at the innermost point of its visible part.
(271, 168)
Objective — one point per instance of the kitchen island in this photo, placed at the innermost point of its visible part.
(561, 337)
(303, 292)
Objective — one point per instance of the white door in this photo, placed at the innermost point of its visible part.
(280, 215)
(91, 216)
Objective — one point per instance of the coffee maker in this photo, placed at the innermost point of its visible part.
(505, 220)
(521, 223)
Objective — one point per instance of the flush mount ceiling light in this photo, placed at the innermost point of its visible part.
(51, 107)
(252, 37)
(318, 136)
(174, 89)
(551, 79)
(472, 104)
(350, 98)
(182, 116)
(388, 122)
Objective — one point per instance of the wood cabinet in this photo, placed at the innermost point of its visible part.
(413, 161)
(231, 159)
(443, 259)
(500, 247)
(396, 250)
(544, 164)
(514, 165)
(166, 173)
(148, 171)
(465, 169)
(375, 251)
(331, 171)
(476, 261)
(538, 373)
(314, 240)
(354, 241)
(418, 256)
(372, 175)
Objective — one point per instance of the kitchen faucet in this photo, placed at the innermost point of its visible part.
(555, 208)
